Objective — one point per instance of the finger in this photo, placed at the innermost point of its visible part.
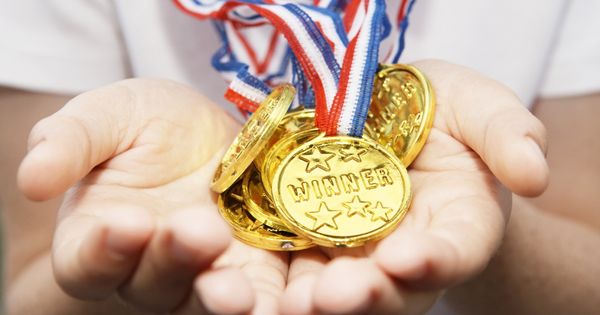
(65, 146)
(265, 270)
(101, 124)
(224, 291)
(193, 306)
(188, 243)
(489, 118)
(443, 243)
(305, 267)
(93, 254)
(358, 286)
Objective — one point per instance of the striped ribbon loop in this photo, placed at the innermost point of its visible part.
(352, 101)
(400, 29)
(335, 45)
(299, 23)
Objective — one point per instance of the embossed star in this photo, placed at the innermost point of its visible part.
(357, 206)
(324, 217)
(316, 158)
(351, 152)
(380, 212)
(415, 123)
(405, 128)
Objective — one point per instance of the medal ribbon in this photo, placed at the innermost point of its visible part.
(338, 57)
(400, 27)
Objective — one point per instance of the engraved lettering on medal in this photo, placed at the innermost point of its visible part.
(330, 185)
(386, 84)
(388, 114)
(299, 193)
(348, 183)
(384, 176)
(368, 179)
(399, 100)
(316, 185)
(408, 89)
(385, 87)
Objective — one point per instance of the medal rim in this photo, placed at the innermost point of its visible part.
(343, 241)
(428, 99)
(264, 239)
(225, 177)
(303, 113)
(257, 211)
(266, 172)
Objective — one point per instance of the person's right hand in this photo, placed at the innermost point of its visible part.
(139, 220)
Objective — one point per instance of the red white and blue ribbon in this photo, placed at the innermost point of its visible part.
(245, 88)
(400, 30)
(335, 47)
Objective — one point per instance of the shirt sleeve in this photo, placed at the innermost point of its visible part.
(60, 46)
(574, 67)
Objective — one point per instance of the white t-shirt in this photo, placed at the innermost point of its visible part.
(536, 47)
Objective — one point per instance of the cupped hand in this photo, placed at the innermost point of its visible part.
(481, 134)
(139, 221)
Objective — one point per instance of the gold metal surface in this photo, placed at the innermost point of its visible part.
(341, 191)
(258, 203)
(280, 151)
(253, 137)
(253, 232)
(292, 122)
(402, 110)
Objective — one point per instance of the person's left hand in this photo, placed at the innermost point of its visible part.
(458, 214)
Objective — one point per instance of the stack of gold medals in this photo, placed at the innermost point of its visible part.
(285, 186)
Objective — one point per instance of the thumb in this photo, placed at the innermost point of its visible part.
(67, 145)
(490, 119)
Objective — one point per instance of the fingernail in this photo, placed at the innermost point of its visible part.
(543, 153)
(538, 147)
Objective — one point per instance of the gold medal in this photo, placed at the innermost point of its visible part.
(258, 203)
(295, 121)
(341, 191)
(253, 232)
(253, 137)
(280, 151)
(402, 110)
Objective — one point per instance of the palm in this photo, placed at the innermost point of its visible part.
(148, 163)
(454, 193)
(147, 151)
(458, 212)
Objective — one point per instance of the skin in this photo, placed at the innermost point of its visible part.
(128, 240)
(548, 262)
